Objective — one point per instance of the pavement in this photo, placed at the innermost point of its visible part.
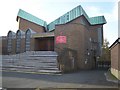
(81, 79)
(111, 78)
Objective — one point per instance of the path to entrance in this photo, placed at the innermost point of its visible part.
(93, 78)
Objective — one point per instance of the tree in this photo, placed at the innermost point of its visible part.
(105, 51)
(105, 44)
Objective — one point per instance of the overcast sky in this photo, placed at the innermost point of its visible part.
(49, 10)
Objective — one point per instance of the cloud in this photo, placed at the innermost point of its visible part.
(114, 15)
(98, 0)
(92, 11)
(111, 28)
(43, 9)
(80, 0)
(96, 11)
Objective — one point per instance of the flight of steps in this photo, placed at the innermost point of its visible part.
(32, 61)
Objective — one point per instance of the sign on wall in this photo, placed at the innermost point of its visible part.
(61, 39)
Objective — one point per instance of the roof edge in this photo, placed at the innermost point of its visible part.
(29, 17)
(115, 43)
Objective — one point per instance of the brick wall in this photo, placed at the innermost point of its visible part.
(115, 59)
(3, 45)
(78, 39)
(13, 46)
(24, 25)
(115, 56)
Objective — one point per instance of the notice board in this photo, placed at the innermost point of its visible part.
(61, 39)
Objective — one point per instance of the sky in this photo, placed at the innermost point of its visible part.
(49, 10)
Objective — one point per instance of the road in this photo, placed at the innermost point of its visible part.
(89, 79)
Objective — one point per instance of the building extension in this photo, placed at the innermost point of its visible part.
(115, 58)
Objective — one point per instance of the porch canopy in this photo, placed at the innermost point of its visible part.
(44, 35)
(44, 41)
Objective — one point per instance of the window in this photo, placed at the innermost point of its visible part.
(9, 44)
(27, 41)
(67, 16)
(18, 41)
(100, 40)
(58, 21)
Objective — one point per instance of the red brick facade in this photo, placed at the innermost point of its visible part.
(78, 38)
(24, 25)
(115, 56)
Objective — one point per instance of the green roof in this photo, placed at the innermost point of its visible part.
(31, 18)
(69, 16)
(97, 20)
(73, 14)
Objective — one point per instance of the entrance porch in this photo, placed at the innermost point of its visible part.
(44, 42)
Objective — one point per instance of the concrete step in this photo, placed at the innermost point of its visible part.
(49, 71)
(41, 58)
(41, 53)
(44, 66)
(40, 61)
(44, 55)
(13, 66)
(27, 69)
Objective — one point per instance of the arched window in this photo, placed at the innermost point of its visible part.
(27, 40)
(18, 41)
(28, 35)
(10, 37)
(9, 42)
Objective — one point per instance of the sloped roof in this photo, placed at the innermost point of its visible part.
(115, 43)
(73, 14)
(97, 20)
(27, 16)
(67, 17)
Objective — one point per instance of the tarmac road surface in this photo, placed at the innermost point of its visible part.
(81, 79)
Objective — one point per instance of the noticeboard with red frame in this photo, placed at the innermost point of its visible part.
(60, 39)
